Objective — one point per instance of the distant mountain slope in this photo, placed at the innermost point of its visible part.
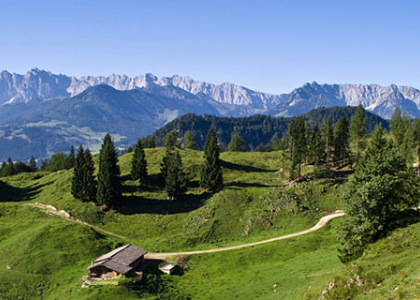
(375, 98)
(41, 85)
(52, 126)
(255, 130)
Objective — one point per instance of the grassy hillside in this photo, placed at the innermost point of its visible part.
(388, 269)
(49, 255)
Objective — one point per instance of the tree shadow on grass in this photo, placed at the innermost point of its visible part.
(131, 205)
(240, 184)
(233, 166)
(10, 193)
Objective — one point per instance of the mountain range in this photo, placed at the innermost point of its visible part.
(42, 113)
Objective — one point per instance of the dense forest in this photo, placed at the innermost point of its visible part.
(257, 130)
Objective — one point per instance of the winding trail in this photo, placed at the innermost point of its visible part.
(319, 225)
(64, 215)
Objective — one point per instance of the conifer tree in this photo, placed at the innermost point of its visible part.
(341, 141)
(171, 140)
(174, 178)
(358, 126)
(151, 142)
(109, 185)
(71, 158)
(171, 169)
(237, 144)
(211, 172)
(327, 138)
(89, 183)
(299, 146)
(290, 138)
(190, 142)
(78, 173)
(398, 127)
(316, 147)
(139, 163)
(32, 163)
(416, 141)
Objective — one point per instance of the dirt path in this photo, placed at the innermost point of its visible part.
(66, 216)
(320, 224)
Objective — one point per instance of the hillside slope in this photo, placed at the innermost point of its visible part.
(51, 255)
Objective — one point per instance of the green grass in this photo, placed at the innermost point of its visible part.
(49, 255)
(389, 268)
(282, 270)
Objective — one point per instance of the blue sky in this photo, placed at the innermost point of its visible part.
(270, 46)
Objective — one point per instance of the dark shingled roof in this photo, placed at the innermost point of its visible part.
(120, 259)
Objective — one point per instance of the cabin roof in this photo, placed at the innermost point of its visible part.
(120, 259)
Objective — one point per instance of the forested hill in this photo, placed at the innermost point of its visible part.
(255, 130)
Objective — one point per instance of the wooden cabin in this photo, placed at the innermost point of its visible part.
(123, 261)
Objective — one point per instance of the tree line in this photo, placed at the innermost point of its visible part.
(324, 146)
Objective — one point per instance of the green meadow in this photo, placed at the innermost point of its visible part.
(45, 257)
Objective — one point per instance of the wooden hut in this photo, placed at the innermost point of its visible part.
(123, 261)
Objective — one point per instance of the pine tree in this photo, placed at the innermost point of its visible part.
(71, 158)
(89, 184)
(171, 140)
(358, 126)
(151, 142)
(416, 141)
(174, 178)
(398, 127)
(299, 146)
(316, 147)
(237, 144)
(327, 138)
(290, 138)
(32, 164)
(211, 172)
(109, 185)
(139, 163)
(190, 142)
(341, 152)
(77, 179)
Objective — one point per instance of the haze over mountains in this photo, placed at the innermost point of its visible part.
(42, 113)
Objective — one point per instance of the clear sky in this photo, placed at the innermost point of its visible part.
(269, 46)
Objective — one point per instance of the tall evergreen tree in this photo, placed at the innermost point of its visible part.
(316, 147)
(139, 163)
(190, 142)
(151, 142)
(290, 138)
(299, 146)
(32, 163)
(78, 173)
(89, 184)
(71, 158)
(397, 127)
(109, 185)
(416, 140)
(211, 172)
(341, 141)
(237, 144)
(175, 183)
(327, 138)
(171, 140)
(358, 126)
